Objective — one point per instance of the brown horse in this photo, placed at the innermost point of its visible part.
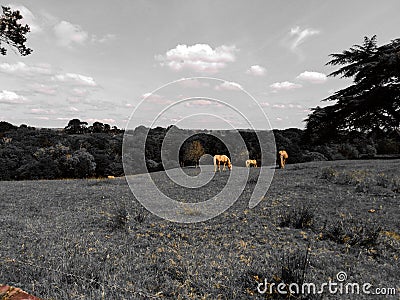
(283, 156)
(251, 162)
(218, 159)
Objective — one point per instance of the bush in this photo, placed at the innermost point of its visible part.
(298, 218)
(352, 233)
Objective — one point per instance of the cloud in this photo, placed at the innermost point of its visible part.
(200, 102)
(156, 99)
(43, 89)
(264, 104)
(79, 91)
(28, 17)
(106, 121)
(69, 34)
(41, 111)
(300, 35)
(313, 77)
(279, 106)
(285, 85)
(103, 39)
(74, 109)
(75, 79)
(9, 97)
(22, 69)
(199, 58)
(228, 85)
(256, 70)
(193, 83)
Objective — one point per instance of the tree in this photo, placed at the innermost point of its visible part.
(373, 100)
(5, 126)
(75, 126)
(12, 33)
(194, 152)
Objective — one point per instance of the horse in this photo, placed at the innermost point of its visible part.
(283, 156)
(218, 159)
(251, 162)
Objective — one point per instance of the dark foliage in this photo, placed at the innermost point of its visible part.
(371, 103)
(351, 232)
(81, 151)
(12, 33)
(297, 217)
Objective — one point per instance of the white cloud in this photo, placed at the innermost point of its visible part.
(22, 69)
(285, 85)
(156, 99)
(300, 35)
(75, 78)
(228, 85)
(79, 91)
(313, 77)
(74, 109)
(100, 120)
(43, 89)
(279, 106)
(28, 17)
(200, 102)
(9, 97)
(199, 58)
(41, 111)
(103, 39)
(256, 70)
(69, 34)
(193, 83)
(264, 104)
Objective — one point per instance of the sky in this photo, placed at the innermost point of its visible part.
(196, 64)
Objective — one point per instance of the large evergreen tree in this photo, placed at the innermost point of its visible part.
(12, 33)
(373, 100)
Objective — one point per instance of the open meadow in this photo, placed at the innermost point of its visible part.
(90, 239)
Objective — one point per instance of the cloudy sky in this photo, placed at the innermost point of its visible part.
(112, 61)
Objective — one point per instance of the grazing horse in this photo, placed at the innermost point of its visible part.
(283, 156)
(251, 162)
(218, 159)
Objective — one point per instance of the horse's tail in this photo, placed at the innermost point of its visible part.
(215, 160)
(247, 163)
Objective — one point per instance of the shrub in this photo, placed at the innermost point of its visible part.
(352, 233)
(299, 218)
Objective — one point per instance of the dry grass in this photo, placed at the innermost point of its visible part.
(88, 239)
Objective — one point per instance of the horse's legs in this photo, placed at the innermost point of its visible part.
(223, 169)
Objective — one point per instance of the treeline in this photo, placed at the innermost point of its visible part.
(30, 153)
(82, 151)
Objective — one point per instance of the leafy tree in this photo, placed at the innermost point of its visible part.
(194, 152)
(12, 33)
(373, 100)
(75, 126)
(5, 126)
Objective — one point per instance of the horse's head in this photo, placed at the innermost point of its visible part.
(229, 165)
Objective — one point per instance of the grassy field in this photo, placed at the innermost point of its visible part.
(90, 239)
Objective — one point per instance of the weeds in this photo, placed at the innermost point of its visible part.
(293, 272)
(364, 180)
(297, 217)
(119, 219)
(351, 233)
